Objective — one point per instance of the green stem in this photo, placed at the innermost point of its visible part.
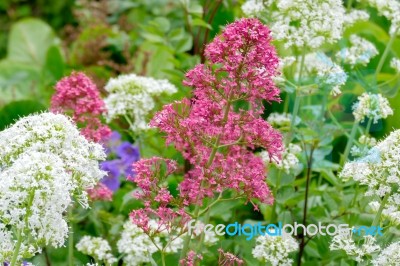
(70, 239)
(278, 181)
(379, 213)
(368, 127)
(17, 248)
(385, 53)
(350, 141)
(163, 258)
(349, 3)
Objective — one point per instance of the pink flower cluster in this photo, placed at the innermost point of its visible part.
(190, 259)
(220, 127)
(228, 259)
(100, 192)
(78, 97)
(151, 177)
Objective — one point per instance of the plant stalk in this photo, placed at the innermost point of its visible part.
(385, 53)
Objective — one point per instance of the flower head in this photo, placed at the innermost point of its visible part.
(133, 96)
(371, 106)
(77, 96)
(390, 256)
(96, 247)
(360, 52)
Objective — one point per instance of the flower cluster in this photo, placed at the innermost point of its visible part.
(302, 23)
(212, 136)
(390, 256)
(358, 251)
(275, 250)
(379, 170)
(371, 106)
(44, 161)
(391, 10)
(288, 162)
(77, 96)
(190, 259)
(327, 73)
(360, 52)
(366, 143)
(395, 64)
(133, 97)
(228, 259)
(354, 16)
(137, 246)
(96, 247)
(282, 121)
(391, 209)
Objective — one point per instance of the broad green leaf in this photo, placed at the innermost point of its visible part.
(15, 110)
(29, 41)
(55, 62)
(201, 23)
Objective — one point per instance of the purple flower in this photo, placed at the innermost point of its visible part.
(128, 152)
(113, 172)
(113, 142)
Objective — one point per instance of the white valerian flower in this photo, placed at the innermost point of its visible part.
(390, 256)
(389, 9)
(44, 162)
(355, 16)
(357, 251)
(281, 120)
(395, 64)
(379, 169)
(289, 160)
(371, 106)
(327, 73)
(307, 23)
(391, 209)
(96, 247)
(253, 7)
(366, 142)
(360, 52)
(275, 249)
(301, 23)
(136, 246)
(132, 97)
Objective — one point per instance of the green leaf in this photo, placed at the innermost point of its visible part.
(15, 110)
(201, 23)
(29, 41)
(55, 62)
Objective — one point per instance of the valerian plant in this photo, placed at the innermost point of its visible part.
(215, 134)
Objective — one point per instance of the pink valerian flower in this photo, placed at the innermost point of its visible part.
(190, 259)
(100, 192)
(215, 137)
(228, 259)
(159, 204)
(77, 96)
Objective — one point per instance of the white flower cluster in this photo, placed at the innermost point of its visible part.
(307, 23)
(44, 161)
(354, 16)
(327, 73)
(395, 64)
(380, 169)
(391, 10)
(96, 247)
(289, 161)
(281, 120)
(366, 142)
(138, 248)
(132, 96)
(360, 52)
(371, 106)
(357, 251)
(275, 249)
(391, 209)
(253, 7)
(390, 256)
